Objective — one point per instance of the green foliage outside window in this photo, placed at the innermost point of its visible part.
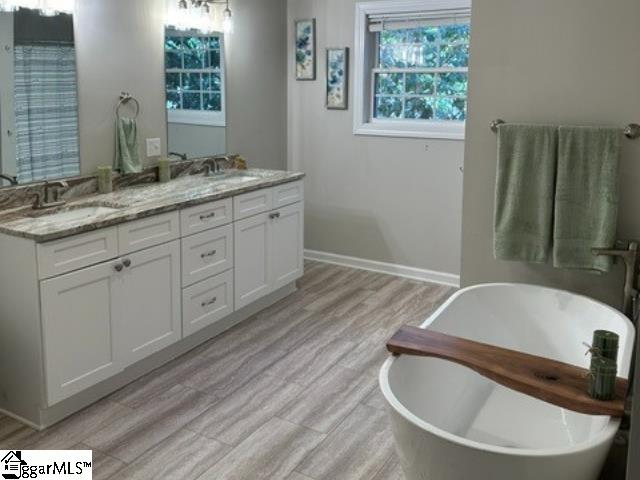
(422, 74)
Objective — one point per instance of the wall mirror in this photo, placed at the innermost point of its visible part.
(195, 90)
(38, 97)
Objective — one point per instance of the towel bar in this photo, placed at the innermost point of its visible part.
(631, 131)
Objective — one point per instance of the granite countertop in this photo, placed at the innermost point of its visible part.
(136, 202)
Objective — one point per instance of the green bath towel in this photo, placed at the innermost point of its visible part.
(586, 210)
(127, 148)
(524, 192)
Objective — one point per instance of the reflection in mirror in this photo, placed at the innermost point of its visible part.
(195, 87)
(38, 97)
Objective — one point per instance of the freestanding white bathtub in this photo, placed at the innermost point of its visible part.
(451, 423)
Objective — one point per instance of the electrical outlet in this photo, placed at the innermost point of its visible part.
(153, 147)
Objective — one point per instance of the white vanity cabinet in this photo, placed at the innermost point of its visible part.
(80, 313)
(98, 320)
(97, 303)
(269, 246)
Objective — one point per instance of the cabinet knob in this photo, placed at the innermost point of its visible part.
(274, 215)
(210, 302)
(208, 254)
(126, 262)
(118, 267)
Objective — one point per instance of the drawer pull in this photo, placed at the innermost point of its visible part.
(208, 216)
(126, 262)
(118, 267)
(209, 254)
(274, 215)
(210, 302)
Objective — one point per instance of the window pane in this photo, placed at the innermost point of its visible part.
(388, 107)
(389, 83)
(419, 83)
(213, 102)
(452, 84)
(173, 59)
(216, 82)
(191, 101)
(393, 37)
(391, 57)
(193, 59)
(173, 81)
(214, 42)
(191, 81)
(419, 108)
(454, 55)
(423, 35)
(451, 109)
(214, 59)
(425, 56)
(194, 43)
(455, 33)
(173, 43)
(173, 100)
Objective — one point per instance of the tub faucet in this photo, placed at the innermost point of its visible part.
(630, 257)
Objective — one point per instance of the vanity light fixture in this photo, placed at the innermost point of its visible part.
(197, 15)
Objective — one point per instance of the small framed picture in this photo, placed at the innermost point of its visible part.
(337, 78)
(306, 49)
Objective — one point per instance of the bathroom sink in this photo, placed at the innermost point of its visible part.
(76, 212)
(233, 179)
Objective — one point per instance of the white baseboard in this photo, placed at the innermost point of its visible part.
(20, 419)
(413, 273)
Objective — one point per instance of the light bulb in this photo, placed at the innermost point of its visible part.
(227, 21)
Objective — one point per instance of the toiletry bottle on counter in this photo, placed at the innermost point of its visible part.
(164, 170)
(105, 182)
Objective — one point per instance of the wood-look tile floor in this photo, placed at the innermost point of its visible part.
(289, 394)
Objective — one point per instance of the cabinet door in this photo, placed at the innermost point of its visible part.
(252, 243)
(287, 244)
(149, 296)
(79, 321)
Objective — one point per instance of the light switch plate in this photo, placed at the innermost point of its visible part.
(153, 147)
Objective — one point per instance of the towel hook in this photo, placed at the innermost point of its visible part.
(125, 98)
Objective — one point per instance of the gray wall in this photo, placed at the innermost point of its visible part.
(196, 140)
(256, 83)
(386, 199)
(574, 61)
(120, 47)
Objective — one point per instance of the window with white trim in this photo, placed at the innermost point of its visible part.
(194, 65)
(412, 68)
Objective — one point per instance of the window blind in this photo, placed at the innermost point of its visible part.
(378, 23)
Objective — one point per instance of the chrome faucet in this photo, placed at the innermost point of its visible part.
(216, 170)
(50, 195)
(181, 156)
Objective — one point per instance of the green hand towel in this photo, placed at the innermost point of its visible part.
(127, 148)
(586, 211)
(524, 192)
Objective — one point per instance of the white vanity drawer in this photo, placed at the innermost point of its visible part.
(252, 203)
(67, 254)
(206, 302)
(206, 254)
(148, 232)
(203, 217)
(287, 194)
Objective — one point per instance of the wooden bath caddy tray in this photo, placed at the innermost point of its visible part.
(554, 382)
